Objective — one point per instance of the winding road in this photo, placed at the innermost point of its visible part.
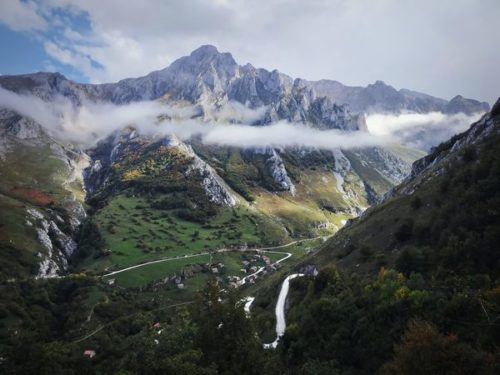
(280, 310)
(153, 262)
(262, 249)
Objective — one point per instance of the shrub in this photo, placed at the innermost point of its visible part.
(404, 231)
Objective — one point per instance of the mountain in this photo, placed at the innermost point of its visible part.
(410, 286)
(210, 78)
(42, 196)
(104, 246)
(270, 195)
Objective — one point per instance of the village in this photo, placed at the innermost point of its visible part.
(252, 266)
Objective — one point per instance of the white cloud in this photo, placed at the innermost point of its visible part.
(92, 121)
(229, 125)
(134, 38)
(120, 57)
(236, 112)
(421, 131)
(283, 135)
(21, 16)
(29, 106)
(67, 56)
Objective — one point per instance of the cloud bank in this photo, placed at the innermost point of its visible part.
(421, 131)
(228, 125)
(278, 135)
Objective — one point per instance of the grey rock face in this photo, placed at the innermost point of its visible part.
(19, 127)
(460, 104)
(393, 168)
(279, 173)
(65, 242)
(380, 97)
(215, 188)
(53, 260)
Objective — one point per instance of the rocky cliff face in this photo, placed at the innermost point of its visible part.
(216, 190)
(41, 193)
(58, 246)
(208, 79)
(277, 169)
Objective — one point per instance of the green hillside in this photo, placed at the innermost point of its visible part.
(412, 286)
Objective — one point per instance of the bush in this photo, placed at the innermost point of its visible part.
(425, 351)
(405, 231)
(416, 203)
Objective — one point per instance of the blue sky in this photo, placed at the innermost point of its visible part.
(442, 48)
(27, 55)
(24, 47)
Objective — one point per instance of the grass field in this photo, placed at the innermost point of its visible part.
(154, 272)
(135, 233)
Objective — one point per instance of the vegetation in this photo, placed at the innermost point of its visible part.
(411, 287)
(150, 340)
(437, 310)
(45, 186)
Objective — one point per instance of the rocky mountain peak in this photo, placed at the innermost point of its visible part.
(204, 58)
(459, 104)
(204, 51)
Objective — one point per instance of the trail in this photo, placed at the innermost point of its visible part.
(100, 328)
(89, 335)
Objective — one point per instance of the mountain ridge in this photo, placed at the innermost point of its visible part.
(209, 74)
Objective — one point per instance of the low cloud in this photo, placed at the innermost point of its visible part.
(87, 123)
(229, 125)
(284, 134)
(421, 131)
(278, 135)
(236, 112)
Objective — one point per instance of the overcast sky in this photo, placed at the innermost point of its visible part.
(443, 48)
